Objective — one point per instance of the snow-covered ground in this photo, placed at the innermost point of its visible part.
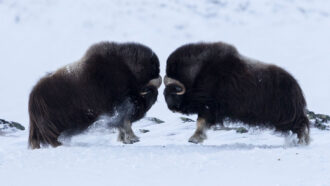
(38, 36)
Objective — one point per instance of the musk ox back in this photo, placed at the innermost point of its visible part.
(214, 81)
(110, 78)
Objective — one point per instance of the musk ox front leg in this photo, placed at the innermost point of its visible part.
(126, 134)
(200, 134)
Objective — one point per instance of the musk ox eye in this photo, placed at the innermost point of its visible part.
(177, 89)
(174, 86)
(146, 90)
(174, 89)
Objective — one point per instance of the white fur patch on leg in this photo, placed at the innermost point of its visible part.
(199, 136)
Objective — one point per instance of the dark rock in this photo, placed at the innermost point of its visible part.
(17, 125)
(241, 130)
(320, 125)
(155, 120)
(320, 121)
(238, 130)
(184, 119)
(144, 130)
(310, 115)
(9, 126)
(325, 118)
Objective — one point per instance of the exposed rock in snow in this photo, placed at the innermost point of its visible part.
(144, 130)
(320, 121)
(9, 127)
(154, 120)
(184, 119)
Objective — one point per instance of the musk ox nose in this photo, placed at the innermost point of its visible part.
(172, 103)
(172, 99)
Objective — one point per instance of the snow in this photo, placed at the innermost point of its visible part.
(40, 36)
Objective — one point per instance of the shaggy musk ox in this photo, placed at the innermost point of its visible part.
(110, 79)
(214, 81)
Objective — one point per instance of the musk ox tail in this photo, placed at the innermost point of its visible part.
(42, 130)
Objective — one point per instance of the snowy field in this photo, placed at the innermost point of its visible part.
(38, 36)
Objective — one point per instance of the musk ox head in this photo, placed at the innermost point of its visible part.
(214, 81)
(111, 78)
(184, 68)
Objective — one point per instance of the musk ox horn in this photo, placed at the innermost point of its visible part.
(170, 81)
(155, 83)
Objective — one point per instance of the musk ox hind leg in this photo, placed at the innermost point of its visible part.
(303, 137)
(303, 131)
(298, 126)
(200, 134)
(126, 134)
(41, 135)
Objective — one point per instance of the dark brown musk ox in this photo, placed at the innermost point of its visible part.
(215, 82)
(110, 79)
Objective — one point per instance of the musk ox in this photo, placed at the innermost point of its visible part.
(216, 82)
(109, 78)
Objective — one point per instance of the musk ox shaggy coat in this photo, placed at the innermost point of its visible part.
(214, 81)
(110, 78)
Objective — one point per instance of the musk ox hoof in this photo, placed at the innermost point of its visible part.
(197, 138)
(303, 137)
(128, 139)
(303, 141)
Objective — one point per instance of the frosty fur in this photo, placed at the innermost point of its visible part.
(110, 76)
(220, 84)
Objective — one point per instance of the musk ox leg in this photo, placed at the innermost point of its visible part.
(199, 136)
(35, 142)
(34, 138)
(303, 132)
(43, 133)
(126, 134)
(303, 137)
(300, 127)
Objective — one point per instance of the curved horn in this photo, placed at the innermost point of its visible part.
(155, 83)
(169, 81)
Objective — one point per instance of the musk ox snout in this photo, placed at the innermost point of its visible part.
(173, 92)
(173, 100)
